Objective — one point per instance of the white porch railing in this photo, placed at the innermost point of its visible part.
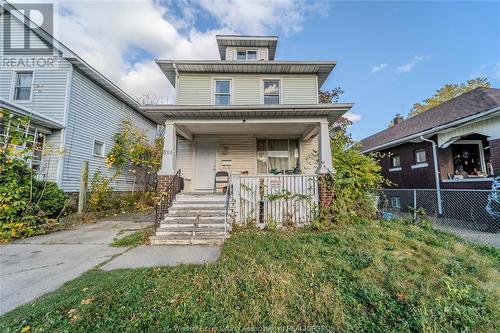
(281, 199)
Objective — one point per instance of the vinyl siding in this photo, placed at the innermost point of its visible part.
(95, 114)
(489, 127)
(197, 89)
(309, 155)
(49, 83)
(241, 150)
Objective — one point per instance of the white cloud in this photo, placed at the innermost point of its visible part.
(122, 39)
(354, 117)
(411, 64)
(379, 67)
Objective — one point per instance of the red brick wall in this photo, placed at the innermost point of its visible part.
(495, 155)
(162, 182)
(325, 191)
(465, 185)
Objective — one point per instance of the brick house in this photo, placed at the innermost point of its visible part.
(455, 145)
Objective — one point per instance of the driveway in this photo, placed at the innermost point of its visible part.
(32, 267)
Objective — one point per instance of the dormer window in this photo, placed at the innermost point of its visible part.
(246, 55)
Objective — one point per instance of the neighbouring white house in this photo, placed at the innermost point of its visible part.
(253, 117)
(74, 110)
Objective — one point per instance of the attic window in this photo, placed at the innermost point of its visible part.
(246, 55)
(22, 88)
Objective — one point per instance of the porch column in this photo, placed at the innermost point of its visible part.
(169, 156)
(325, 164)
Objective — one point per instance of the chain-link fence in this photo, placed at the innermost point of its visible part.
(471, 214)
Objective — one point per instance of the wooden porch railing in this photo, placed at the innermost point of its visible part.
(167, 197)
(281, 199)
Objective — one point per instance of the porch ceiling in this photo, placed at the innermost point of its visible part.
(257, 129)
(163, 113)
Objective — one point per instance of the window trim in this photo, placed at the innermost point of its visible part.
(398, 205)
(481, 150)
(214, 87)
(14, 85)
(103, 148)
(415, 156)
(246, 54)
(393, 166)
(280, 90)
(278, 137)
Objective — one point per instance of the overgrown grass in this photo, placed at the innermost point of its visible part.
(137, 238)
(371, 277)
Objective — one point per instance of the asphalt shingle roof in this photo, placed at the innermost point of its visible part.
(467, 104)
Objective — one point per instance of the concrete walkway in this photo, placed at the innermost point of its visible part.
(35, 266)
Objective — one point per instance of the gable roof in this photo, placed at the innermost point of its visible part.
(224, 41)
(78, 62)
(468, 104)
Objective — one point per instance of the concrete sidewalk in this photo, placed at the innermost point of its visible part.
(34, 266)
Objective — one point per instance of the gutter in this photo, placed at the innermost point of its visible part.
(436, 174)
(455, 123)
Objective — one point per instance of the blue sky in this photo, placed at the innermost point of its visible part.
(390, 54)
(453, 41)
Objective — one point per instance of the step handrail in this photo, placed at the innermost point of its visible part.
(167, 197)
(229, 191)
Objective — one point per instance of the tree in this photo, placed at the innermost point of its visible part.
(447, 92)
(330, 96)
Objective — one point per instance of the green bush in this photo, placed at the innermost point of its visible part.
(52, 198)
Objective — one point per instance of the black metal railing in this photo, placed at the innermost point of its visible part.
(167, 197)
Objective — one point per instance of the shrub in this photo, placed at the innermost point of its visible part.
(26, 204)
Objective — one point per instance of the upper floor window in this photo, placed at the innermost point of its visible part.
(246, 55)
(271, 91)
(22, 87)
(395, 161)
(98, 149)
(420, 156)
(222, 92)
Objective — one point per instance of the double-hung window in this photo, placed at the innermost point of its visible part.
(22, 87)
(395, 161)
(271, 91)
(222, 92)
(420, 156)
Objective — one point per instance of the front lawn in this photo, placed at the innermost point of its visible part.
(373, 277)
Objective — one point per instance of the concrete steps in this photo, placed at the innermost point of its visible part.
(193, 219)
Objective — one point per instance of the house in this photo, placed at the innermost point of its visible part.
(254, 117)
(455, 145)
(74, 110)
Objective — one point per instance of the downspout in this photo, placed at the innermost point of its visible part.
(436, 173)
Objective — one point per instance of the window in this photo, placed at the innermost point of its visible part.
(395, 202)
(420, 156)
(22, 88)
(241, 55)
(271, 91)
(222, 92)
(98, 148)
(246, 55)
(251, 55)
(277, 156)
(395, 161)
(469, 159)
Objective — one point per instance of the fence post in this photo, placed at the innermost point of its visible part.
(82, 194)
(414, 205)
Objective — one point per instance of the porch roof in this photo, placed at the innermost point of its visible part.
(320, 68)
(36, 118)
(162, 113)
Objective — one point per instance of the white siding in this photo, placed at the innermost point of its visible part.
(240, 149)
(489, 127)
(194, 90)
(197, 89)
(95, 114)
(300, 90)
(309, 155)
(185, 161)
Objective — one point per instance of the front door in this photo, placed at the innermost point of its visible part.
(205, 165)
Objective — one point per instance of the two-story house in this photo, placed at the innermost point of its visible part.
(74, 109)
(254, 117)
